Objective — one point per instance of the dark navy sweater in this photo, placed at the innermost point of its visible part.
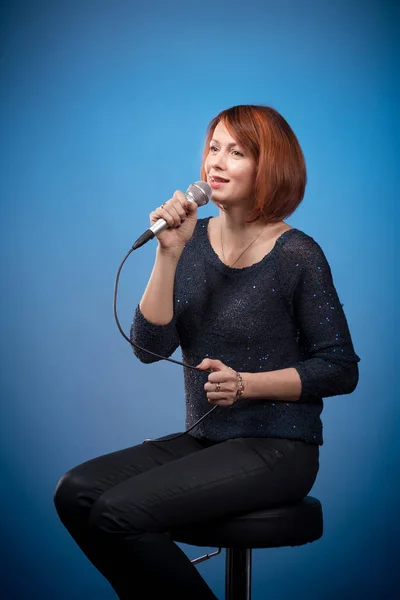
(281, 312)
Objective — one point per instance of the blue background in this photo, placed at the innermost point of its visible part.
(104, 107)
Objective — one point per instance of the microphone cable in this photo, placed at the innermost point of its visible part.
(177, 362)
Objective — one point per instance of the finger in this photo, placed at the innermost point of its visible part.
(180, 197)
(217, 365)
(179, 200)
(213, 395)
(162, 213)
(210, 363)
(211, 387)
(224, 376)
(219, 399)
(181, 204)
(205, 364)
(168, 212)
(173, 210)
(177, 208)
(191, 207)
(187, 205)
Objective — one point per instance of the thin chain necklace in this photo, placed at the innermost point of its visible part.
(247, 247)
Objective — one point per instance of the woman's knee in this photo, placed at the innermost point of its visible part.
(69, 494)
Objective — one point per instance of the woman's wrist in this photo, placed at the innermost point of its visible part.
(240, 391)
(171, 254)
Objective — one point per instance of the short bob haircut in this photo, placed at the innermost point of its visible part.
(281, 174)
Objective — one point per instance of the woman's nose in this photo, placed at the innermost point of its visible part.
(218, 161)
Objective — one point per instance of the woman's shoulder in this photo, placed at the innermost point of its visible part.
(298, 245)
(202, 223)
(199, 237)
(200, 232)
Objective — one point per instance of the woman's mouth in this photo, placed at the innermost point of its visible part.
(217, 182)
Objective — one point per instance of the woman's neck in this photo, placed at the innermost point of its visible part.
(241, 244)
(236, 230)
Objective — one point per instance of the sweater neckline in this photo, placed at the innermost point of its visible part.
(215, 259)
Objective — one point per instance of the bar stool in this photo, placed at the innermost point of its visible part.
(289, 525)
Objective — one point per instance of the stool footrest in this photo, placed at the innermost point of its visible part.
(200, 559)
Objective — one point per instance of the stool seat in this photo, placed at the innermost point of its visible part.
(287, 525)
(284, 525)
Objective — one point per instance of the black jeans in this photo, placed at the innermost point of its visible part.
(119, 508)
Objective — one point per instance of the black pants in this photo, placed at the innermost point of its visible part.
(120, 507)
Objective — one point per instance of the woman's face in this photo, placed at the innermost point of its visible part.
(230, 170)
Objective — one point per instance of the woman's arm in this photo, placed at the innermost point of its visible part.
(153, 325)
(154, 322)
(157, 304)
(284, 385)
(330, 366)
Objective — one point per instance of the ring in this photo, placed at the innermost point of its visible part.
(217, 387)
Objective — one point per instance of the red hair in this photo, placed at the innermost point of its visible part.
(281, 175)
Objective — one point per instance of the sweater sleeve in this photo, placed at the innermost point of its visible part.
(330, 364)
(161, 339)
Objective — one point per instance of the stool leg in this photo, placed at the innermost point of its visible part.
(238, 574)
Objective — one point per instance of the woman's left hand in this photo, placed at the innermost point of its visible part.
(222, 384)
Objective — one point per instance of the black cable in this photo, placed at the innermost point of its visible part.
(177, 362)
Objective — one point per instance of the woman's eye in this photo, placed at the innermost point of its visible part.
(237, 153)
(213, 148)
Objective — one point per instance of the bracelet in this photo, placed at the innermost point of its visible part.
(240, 389)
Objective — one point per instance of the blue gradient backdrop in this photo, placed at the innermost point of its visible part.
(104, 107)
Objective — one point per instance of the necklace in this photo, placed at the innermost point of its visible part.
(243, 251)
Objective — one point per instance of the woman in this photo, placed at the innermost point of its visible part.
(251, 302)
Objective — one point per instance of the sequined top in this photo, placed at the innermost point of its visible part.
(280, 312)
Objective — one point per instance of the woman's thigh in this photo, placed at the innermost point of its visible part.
(221, 480)
(82, 485)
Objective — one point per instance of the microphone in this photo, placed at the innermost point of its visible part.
(199, 192)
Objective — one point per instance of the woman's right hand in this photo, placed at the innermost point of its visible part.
(181, 217)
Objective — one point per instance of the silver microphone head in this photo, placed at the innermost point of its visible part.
(199, 192)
